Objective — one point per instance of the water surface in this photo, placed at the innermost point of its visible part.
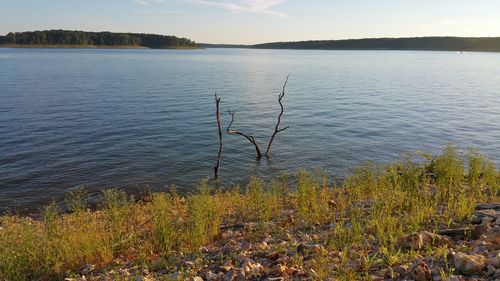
(135, 118)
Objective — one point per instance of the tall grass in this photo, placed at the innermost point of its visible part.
(377, 204)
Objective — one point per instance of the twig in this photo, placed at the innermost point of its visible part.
(217, 166)
(277, 129)
(248, 137)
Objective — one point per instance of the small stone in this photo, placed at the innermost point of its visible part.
(493, 235)
(401, 269)
(487, 206)
(484, 216)
(226, 268)
(241, 257)
(469, 264)
(494, 261)
(210, 276)
(262, 246)
(196, 278)
(234, 275)
(86, 269)
(291, 271)
(481, 229)
(416, 241)
(490, 270)
(422, 272)
(278, 270)
(274, 256)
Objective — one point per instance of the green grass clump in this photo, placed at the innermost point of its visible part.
(376, 205)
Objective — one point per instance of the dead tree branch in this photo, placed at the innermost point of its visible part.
(219, 125)
(277, 128)
(250, 138)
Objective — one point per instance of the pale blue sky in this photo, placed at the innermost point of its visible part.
(258, 21)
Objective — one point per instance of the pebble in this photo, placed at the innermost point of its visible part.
(469, 264)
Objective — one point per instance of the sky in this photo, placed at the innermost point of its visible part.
(258, 21)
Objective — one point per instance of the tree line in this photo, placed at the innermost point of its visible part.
(417, 43)
(68, 37)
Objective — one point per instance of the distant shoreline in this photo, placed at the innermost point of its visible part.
(450, 44)
(22, 46)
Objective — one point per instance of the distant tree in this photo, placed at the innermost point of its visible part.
(66, 37)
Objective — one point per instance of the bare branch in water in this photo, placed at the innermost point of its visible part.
(250, 138)
(277, 128)
(219, 125)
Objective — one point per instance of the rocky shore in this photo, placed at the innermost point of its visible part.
(468, 252)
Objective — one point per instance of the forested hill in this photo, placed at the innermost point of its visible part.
(490, 44)
(97, 39)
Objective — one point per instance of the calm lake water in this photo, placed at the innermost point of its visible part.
(135, 118)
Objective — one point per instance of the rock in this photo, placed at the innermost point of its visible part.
(274, 256)
(275, 279)
(487, 206)
(332, 204)
(469, 264)
(304, 249)
(226, 268)
(241, 257)
(493, 235)
(251, 268)
(234, 275)
(402, 270)
(494, 261)
(291, 271)
(278, 270)
(86, 269)
(422, 272)
(490, 270)
(210, 276)
(486, 215)
(416, 241)
(262, 246)
(481, 229)
(196, 278)
(497, 273)
(189, 264)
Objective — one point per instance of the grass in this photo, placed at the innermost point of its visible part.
(376, 205)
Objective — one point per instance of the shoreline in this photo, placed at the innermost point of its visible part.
(18, 46)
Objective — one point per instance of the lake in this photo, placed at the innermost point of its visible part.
(129, 119)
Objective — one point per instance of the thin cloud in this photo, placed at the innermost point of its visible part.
(247, 6)
(250, 6)
(147, 2)
(164, 13)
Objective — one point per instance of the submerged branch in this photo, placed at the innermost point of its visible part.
(250, 138)
(277, 128)
(219, 125)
